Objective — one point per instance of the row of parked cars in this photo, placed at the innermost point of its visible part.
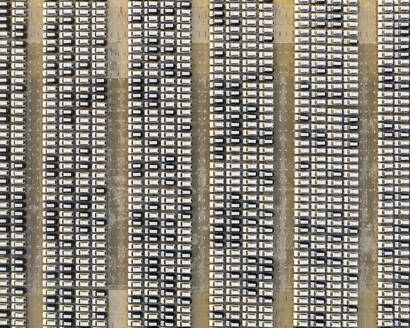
(326, 164)
(241, 175)
(159, 159)
(12, 163)
(74, 164)
(393, 163)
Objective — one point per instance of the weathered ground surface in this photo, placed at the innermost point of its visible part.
(368, 164)
(34, 163)
(117, 165)
(284, 163)
(200, 162)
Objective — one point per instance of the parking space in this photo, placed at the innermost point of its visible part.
(74, 164)
(160, 164)
(393, 163)
(326, 163)
(13, 163)
(241, 164)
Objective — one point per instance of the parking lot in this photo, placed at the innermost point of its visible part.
(159, 164)
(13, 99)
(393, 164)
(74, 164)
(241, 165)
(326, 164)
(94, 193)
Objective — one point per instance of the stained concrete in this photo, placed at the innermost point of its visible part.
(367, 315)
(117, 163)
(284, 163)
(200, 162)
(34, 163)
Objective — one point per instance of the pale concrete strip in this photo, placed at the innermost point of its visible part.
(284, 185)
(117, 166)
(284, 163)
(200, 163)
(34, 163)
(368, 164)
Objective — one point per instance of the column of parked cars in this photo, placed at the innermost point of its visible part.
(74, 164)
(12, 163)
(326, 163)
(159, 149)
(394, 163)
(241, 167)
